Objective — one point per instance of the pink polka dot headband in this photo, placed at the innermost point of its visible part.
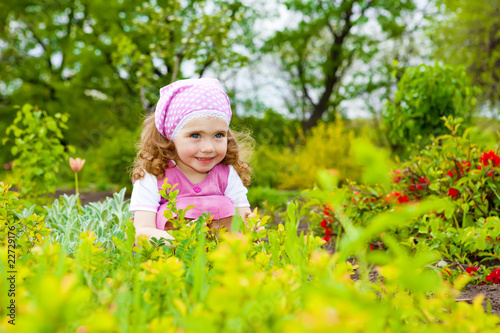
(184, 100)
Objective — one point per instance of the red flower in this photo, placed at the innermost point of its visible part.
(452, 173)
(391, 196)
(371, 247)
(423, 180)
(490, 156)
(328, 234)
(494, 276)
(467, 166)
(452, 192)
(403, 199)
(471, 270)
(396, 180)
(324, 224)
(422, 184)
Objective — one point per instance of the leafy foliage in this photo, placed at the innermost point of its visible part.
(466, 34)
(103, 62)
(329, 38)
(106, 219)
(285, 284)
(20, 230)
(112, 160)
(37, 145)
(327, 146)
(425, 95)
(464, 229)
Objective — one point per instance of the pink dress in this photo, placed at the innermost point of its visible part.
(207, 196)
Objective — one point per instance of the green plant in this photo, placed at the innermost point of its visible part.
(38, 150)
(426, 94)
(106, 219)
(242, 284)
(269, 197)
(110, 162)
(19, 230)
(452, 168)
(327, 146)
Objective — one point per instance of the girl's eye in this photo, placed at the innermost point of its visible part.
(195, 135)
(219, 135)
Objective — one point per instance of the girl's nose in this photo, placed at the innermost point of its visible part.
(207, 146)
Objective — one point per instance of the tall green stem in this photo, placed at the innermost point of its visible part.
(76, 190)
(76, 182)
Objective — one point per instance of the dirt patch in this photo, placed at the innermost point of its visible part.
(491, 295)
(88, 197)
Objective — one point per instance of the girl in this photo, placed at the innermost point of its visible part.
(187, 140)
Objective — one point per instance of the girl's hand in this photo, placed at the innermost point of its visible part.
(257, 227)
(247, 215)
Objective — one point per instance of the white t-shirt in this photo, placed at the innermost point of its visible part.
(145, 194)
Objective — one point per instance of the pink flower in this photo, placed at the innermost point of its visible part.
(8, 165)
(76, 164)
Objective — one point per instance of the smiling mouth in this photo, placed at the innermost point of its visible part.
(205, 159)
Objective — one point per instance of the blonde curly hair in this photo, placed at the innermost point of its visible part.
(155, 151)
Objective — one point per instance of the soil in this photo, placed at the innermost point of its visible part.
(88, 197)
(491, 294)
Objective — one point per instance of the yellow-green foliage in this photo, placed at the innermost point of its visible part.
(286, 284)
(326, 147)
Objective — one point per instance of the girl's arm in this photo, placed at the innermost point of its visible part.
(145, 224)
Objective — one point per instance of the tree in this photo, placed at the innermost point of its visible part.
(468, 33)
(104, 61)
(330, 37)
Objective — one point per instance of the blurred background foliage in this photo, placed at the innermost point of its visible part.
(405, 64)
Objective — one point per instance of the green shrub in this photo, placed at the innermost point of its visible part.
(326, 147)
(38, 149)
(452, 168)
(426, 94)
(271, 129)
(111, 162)
(20, 230)
(267, 196)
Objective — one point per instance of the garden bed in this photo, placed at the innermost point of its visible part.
(491, 292)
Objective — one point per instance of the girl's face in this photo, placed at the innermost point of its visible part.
(201, 144)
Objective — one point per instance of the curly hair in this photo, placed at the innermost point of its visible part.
(155, 151)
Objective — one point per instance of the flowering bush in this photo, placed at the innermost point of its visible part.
(451, 168)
